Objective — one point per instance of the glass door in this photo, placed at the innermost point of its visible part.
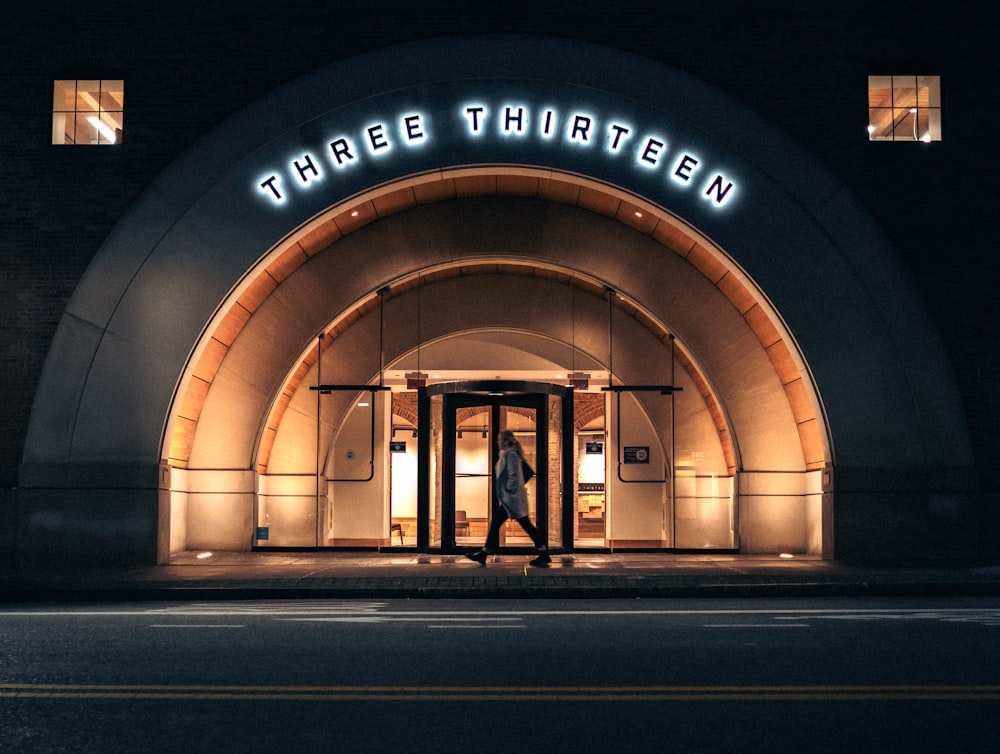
(458, 425)
(471, 424)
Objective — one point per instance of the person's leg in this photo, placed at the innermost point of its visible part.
(492, 538)
(543, 558)
(536, 536)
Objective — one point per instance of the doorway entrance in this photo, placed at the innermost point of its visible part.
(457, 452)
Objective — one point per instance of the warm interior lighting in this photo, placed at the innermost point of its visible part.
(786, 555)
(363, 404)
(102, 127)
(638, 213)
(203, 555)
(354, 213)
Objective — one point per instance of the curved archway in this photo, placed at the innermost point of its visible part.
(802, 266)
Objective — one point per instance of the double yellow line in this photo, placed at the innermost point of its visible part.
(502, 693)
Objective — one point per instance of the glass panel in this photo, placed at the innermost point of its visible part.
(435, 476)
(403, 471)
(85, 128)
(880, 91)
(62, 128)
(88, 96)
(64, 96)
(521, 420)
(112, 95)
(704, 499)
(555, 465)
(473, 473)
(638, 470)
(906, 124)
(904, 91)
(930, 91)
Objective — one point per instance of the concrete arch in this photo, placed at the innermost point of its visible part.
(152, 297)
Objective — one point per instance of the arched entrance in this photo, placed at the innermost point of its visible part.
(539, 315)
(200, 320)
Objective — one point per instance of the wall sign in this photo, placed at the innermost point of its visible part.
(636, 454)
(484, 122)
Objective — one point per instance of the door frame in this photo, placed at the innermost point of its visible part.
(494, 393)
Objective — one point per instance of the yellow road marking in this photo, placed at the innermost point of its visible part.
(493, 693)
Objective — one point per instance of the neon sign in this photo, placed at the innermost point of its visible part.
(477, 121)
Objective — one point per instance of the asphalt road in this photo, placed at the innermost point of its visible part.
(838, 675)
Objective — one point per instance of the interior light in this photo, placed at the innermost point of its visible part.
(913, 109)
(638, 213)
(102, 127)
(203, 555)
(786, 555)
(363, 404)
(871, 128)
(354, 213)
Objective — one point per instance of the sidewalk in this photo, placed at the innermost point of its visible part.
(413, 575)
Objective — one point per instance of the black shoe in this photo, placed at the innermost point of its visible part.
(542, 561)
(479, 556)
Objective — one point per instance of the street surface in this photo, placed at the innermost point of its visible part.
(903, 674)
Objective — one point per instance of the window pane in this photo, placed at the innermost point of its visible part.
(930, 89)
(84, 129)
(880, 91)
(905, 119)
(112, 95)
(904, 91)
(88, 94)
(64, 96)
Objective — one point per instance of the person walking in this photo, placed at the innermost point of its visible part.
(512, 502)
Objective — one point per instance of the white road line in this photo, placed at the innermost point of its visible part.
(494, 626)
(193, 625)
(755, 625)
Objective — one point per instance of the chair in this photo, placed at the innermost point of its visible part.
(394, 528)
(462, 524)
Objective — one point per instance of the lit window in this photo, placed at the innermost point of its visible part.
(904, 108)
(88, 112)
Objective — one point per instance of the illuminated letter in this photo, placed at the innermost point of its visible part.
(616, 137)
(308, 166)
(413, 127)
(548, 125)
(653, 147)
(341, 149)
(581, 129)
(376, 137)
(717, 188)
(269, 185)
(472, 113)
(510, 118)
(685, 167)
